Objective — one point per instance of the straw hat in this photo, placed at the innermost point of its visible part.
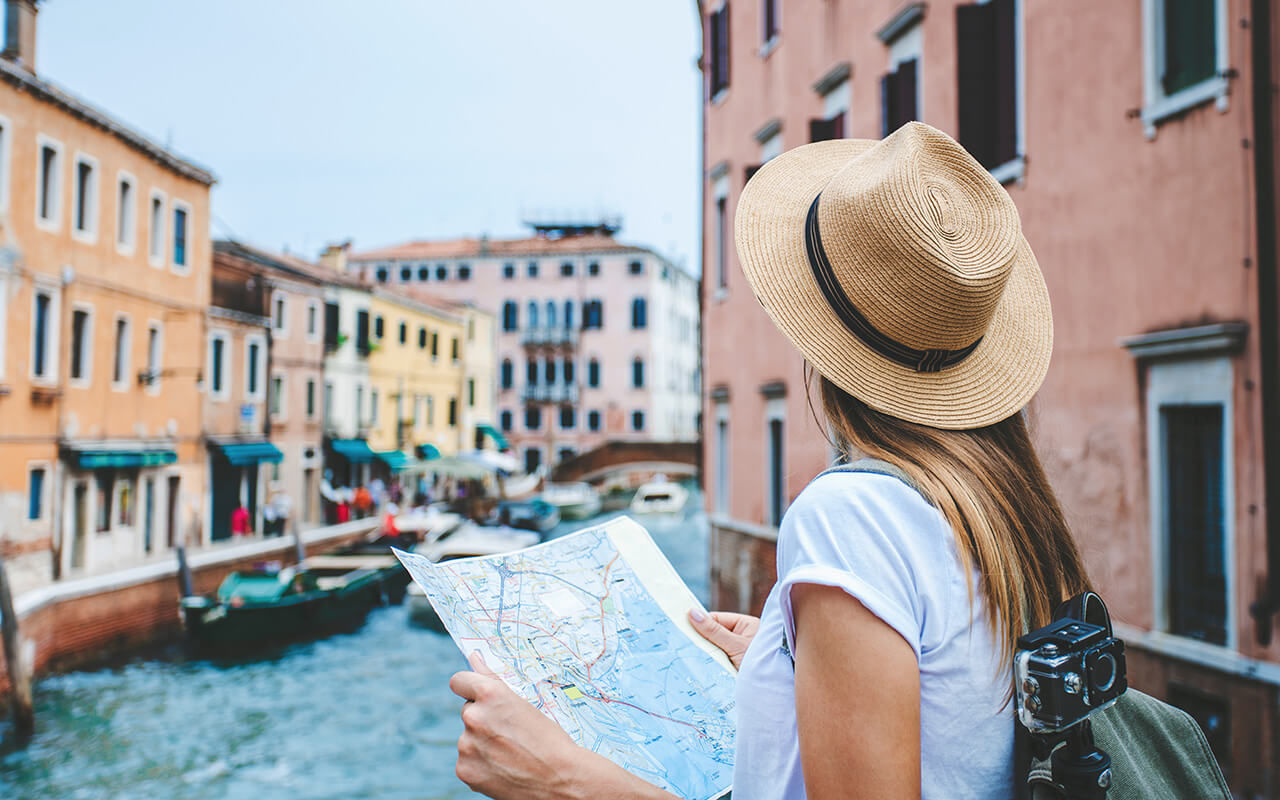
(899, 270)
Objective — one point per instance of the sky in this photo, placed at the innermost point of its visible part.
(388, 120)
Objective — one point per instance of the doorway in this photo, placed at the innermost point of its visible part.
(171, 511)
(79, 523)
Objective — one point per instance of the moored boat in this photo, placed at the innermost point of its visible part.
(531, 515)
(659, 496)
(572, 500)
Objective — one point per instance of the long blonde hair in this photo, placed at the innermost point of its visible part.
(990, 487)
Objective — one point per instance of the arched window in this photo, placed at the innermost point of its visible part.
(506, 420)
(637, 373)
(508, 373)
(639, 315)
(533, 314)
(510, 314)
(550, 370)
(568, 371)
(592, 314)
(531, 372)
(593, 373)
(568, 314)
(551, 314)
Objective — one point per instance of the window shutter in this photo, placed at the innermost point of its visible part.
(751, 170)
(975, 78)
(1190, 52)
(820, 130)
(724, 46)
(837, 126)
(718, 36)
(713, 52)
(906, 94)
(888, 104)
(1006, 82)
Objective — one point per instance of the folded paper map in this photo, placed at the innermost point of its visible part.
(592, 629)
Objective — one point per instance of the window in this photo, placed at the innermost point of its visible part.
(453, 412)
(311, 398)
(362, 332)
(179, 236)
(987, 80)
(375, 410)
(359, 405)
(404, 333)
(120, 368)
(508, 270)
(508, 373)
(471, 392)
(637, 420)
(454, 352)
(775, 476)
(35, 493)
(464, 272)
(900, 86)
(770, 14)
(383, 275)
(593, 268)
(422, 338)
(637, 373)
(218, 366)
(254, 368)
(532, 418)
(532, 270)
(126, 213)
(505, 421)
(435, 344)
(510, 316)
(431, 410)
(126, 496)
(313, 320)
(531, 372)
(836, 96)
(568, 315)
(406, 274)
(721, 254)
(442, 272)
(565, 453)
(549, 370)
(722, 462)
(636, 267)
(551, 314)
(85, 202)
(155, 356)
(277, 405)
(592, 315)
(155, 232)
(81, 345)
(331, 320)
(1185, 52)
(593, 373)
(532, 459)
(718, 50)
(277, 313)
(568, 371)
(378, 327)
(424, 274)
(638, 315)
(533, 314)
(328, 403)
(567, 420)
(49, 184)
(566, 269)
(593, 420)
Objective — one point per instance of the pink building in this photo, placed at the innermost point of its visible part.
(597, 340)
(1138, 141)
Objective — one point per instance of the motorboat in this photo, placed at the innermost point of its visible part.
(530, 515)
(659, 496)
(464, 542)
(572, 500)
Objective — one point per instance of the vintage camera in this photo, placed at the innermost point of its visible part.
(1064, 672)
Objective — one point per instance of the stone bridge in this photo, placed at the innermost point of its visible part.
(672, 458)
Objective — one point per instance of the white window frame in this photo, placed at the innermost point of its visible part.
(86, 356)
(153, 384)
(91, 206)
(126, 218)
(54, 329)
(281, 414)
(723, 474)
(771, 147)
(1156, 105)
(6, 161)
(156, 227)
(1201, 381)
(316, 400)
(174, 207)
(1015, 168)
(723, 248)
(775, 410)
(123, 348)
(279, 329)
(261, 378)
(54, 222)
(908, 45)
(771, 44)
(316, 330)
(45, 491)
(225, 392)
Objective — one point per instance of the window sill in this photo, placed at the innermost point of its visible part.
(720, 295)
(720, 96)
(769, 46)
(1010, 171)
(1213, 89)
(1216, 657)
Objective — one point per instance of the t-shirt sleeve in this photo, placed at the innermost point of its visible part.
(873, 537)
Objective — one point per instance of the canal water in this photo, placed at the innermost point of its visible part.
(365, 714)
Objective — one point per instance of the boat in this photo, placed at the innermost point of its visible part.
(659, 496)
(465, 542)
(531, 515)
(572, 500)
(270, 605)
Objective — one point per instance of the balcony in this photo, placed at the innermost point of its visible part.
(549, 394)
(549, 337)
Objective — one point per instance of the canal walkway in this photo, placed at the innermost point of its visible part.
(366, 714)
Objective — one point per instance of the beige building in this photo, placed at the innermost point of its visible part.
(104, 281)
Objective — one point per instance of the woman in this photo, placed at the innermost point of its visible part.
(881, 665)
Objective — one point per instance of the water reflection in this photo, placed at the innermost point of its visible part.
(365, 714)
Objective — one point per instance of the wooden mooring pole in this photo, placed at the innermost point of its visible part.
(19, 680)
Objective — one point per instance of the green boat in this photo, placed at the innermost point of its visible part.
(264, 606)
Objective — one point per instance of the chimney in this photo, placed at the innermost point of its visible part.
(335, 257)
(20, 33)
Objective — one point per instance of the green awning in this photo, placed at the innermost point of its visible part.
(494, 434)
(426, 452)
(355, 451)
(395, 459)
(242, 454)
(120, 456)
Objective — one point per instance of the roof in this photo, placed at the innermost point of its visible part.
(288, 264)
(471, 247)
(25, 81)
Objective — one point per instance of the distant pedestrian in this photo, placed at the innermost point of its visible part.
(240, 524)
(362, 503)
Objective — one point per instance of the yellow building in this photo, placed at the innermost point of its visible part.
(104, 280)
(415, 377)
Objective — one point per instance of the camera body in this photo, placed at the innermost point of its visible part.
(1064, 672)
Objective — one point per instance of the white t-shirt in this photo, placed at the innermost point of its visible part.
(879, 540)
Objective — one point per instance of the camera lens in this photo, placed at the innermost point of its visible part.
(1103, 674)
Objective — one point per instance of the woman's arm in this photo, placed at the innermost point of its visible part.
(509, 749)
(857, 699)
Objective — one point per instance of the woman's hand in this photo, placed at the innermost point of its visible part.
(731, 632)
(509, 749)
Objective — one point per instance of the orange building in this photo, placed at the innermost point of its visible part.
(1138, 141)
(104, 279)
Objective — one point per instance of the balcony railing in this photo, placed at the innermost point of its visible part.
(549, 337)
(549, 394)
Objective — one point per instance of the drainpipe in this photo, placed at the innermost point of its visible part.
(1266, 606)
(702, 273)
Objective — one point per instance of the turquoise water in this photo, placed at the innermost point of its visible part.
(365, 714)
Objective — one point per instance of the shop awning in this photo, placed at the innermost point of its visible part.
(355, 451)
(494, 434)
(395, 459)
(242, 454)
(107, 455)
(426, 452)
